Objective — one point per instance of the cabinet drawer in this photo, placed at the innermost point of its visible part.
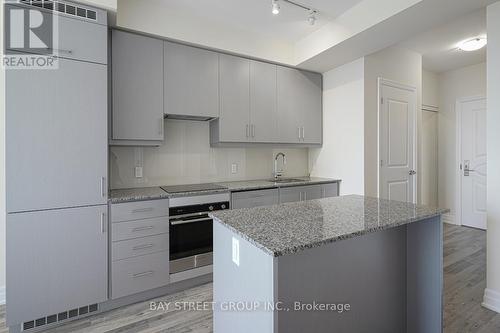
(140, 228)
(130, 276)
(251, 199)
(129, 211)
(139, 246)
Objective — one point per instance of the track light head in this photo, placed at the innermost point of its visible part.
(275, 7)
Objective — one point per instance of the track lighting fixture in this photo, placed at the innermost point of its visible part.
(311, 18)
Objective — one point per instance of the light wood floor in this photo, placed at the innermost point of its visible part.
(464, 271)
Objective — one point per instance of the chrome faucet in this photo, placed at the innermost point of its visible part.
(279, 173)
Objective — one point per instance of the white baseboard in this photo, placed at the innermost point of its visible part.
(449, 218)
(2, 295)
(491, 300)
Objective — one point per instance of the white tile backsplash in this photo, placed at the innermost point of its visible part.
(186, 157)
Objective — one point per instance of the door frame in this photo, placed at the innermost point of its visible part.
(458, 150)
(386, 82)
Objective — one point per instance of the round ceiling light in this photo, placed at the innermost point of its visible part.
(472, 44)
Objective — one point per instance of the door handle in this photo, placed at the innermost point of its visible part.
(467, 168)
(103, 223)
(103, 187)
(412, 172)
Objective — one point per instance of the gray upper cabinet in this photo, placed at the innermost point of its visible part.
(57, 261)
(299, 106)
(234, 85)
(56, 132)
(137, 72)
(263, 115)
(191, 81)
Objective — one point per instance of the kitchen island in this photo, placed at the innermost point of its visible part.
(345, 264)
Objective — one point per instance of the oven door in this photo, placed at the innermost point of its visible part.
(191, 242)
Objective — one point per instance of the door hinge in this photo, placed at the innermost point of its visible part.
(381, 162)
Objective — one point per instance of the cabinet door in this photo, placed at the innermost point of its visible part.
(56, 136)
(234, 99)
(137, 63)
(299, 106)
(263, 114)
(312, 192)
(291, 194)
(311, 112)
(57, 261)
(250, 199)
(191, 81)
(330, 190)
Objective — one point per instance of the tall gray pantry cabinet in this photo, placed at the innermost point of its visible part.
(56, 177)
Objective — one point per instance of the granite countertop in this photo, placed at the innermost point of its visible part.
(246, 185)
(292, 227)
(137, 194)
(151, 193)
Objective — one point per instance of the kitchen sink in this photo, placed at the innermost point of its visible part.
(285, 180)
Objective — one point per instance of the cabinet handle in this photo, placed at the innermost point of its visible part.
(103, 223)
(298, 128)
(142, 228)
(247, 130)
(160, 131)
(59, 50)
(142, 274)
(253, 131)
(300, 196)
(142, 247)
(303, 132)
(103, 187)
(142, 210)
(305, 196)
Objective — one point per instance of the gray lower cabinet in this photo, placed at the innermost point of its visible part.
(299, 100)
(137, 85)
(308, 192)
(139, 247)
(330, 190)
(56, 262)
(250, 199)
(191, 81)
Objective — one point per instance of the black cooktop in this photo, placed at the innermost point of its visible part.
(192, 188)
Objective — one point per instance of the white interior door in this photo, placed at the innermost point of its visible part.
(397, 142)
(473, 155)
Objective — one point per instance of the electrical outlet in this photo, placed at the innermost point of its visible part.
(234, 168)
(138, 172)
(236, 251)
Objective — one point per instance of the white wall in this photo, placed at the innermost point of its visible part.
(492, 292)
(154, 16)
(341, 155)
(186, 157)
(464, 82)
(398, 65)
(430, 89)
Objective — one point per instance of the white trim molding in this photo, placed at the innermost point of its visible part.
(2, 295)
(449, 218)
(491, 300)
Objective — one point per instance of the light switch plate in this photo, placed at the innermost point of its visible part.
(234, 168)
(138, 172)
(236, 251)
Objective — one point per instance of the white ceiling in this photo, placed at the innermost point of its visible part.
(439, 45)
(255, 16)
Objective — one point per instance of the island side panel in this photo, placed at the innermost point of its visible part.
(250, 281)
(367, 272)
(425, 276)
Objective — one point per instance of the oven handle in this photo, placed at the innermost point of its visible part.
(189, 221)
